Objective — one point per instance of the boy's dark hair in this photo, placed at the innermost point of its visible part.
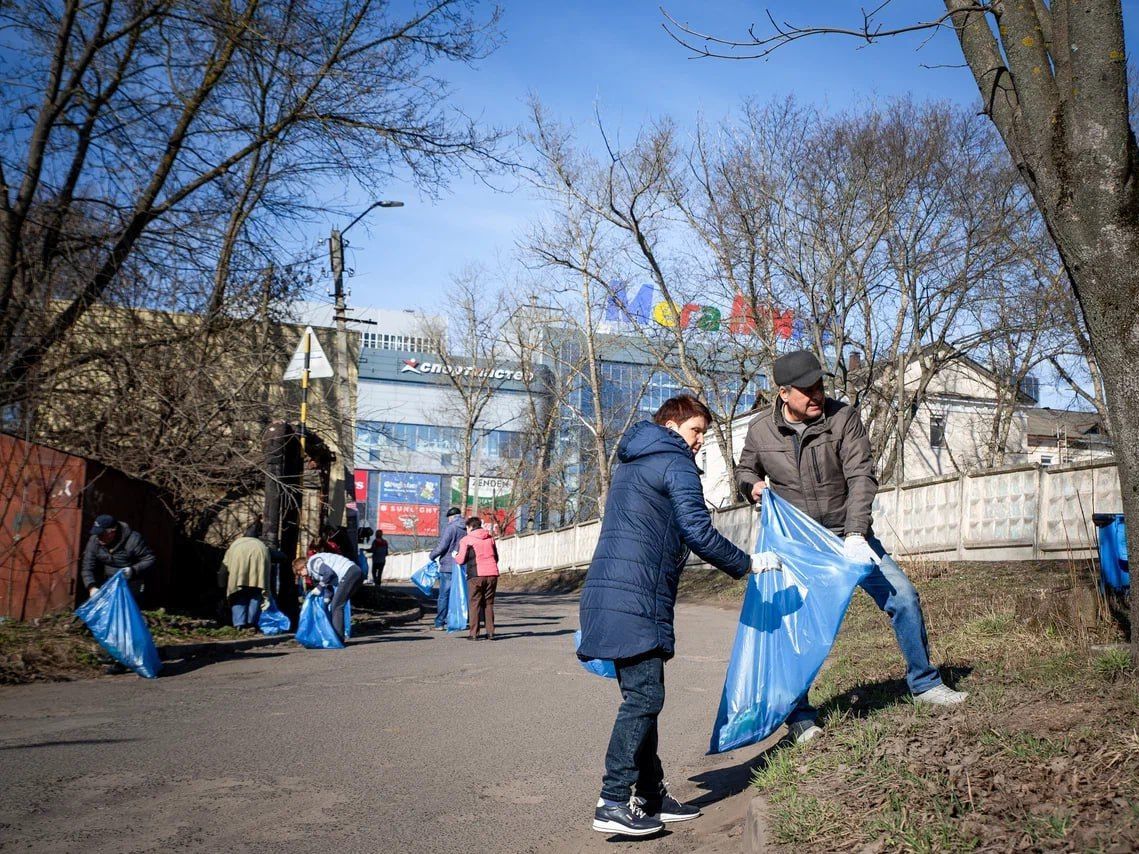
(680, 409)
(474, 522)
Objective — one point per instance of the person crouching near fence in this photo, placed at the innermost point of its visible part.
(478, 552)
(654, 514)
(337, 578)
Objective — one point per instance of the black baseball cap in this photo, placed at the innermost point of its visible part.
(104, 522)
(799, 368)
(454, 511)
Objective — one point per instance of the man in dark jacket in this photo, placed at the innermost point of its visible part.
(814, 452)
(113, 546)
(379, 550)
(654, 514)
(448, 542)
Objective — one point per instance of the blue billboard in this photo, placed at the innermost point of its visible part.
(409, 488)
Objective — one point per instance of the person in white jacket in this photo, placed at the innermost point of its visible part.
(336, 577)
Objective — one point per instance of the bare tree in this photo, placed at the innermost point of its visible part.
(625, 208)
(130, 127)
(469, 343)
(1052, 77)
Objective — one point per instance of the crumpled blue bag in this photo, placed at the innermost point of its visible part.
(458, 604)
(426, 577)
(597, 666)
(115, 620)
(314, 629)
(272, 621)
(788, 623)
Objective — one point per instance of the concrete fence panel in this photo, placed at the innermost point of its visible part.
(1018, 513)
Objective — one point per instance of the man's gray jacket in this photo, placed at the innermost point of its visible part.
(827, 472)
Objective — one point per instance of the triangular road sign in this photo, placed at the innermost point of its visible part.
(318, 364)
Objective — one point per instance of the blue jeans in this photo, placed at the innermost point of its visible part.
(631, 760)
(245, 606)
(444, 599)
(893, 593)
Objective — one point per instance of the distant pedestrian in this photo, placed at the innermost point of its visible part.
(479, 554)
(336, 577)
(379, 550)
(247, 565)
(112, 547)
(448, 543)
(654, 514)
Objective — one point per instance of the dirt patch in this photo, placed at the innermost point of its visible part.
(1043, 756)
(60, 648)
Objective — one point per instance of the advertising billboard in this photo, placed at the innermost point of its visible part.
(400, 519)
(409, 488)
(409, 504)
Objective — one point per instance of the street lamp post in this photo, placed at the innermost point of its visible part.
(346, 441)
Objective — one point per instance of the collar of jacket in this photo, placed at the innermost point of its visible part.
(818, 426)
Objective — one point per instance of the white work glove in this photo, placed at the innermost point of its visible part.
(92, 590)
(765, 561)
(128, 573)
(857, 550)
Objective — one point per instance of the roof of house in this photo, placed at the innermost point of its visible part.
(1044, 421)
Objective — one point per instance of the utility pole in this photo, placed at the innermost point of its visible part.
(344, 437)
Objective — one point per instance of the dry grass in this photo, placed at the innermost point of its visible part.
(1043, 756)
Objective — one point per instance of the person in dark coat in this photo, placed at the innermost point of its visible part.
(654, 514)
(113, 546)
(454, 531)
(379, 550)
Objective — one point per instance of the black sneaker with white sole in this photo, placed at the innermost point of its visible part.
(625, 819)
(667, 809)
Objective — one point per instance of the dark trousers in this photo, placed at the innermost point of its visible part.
(348, 585)
(631, 760)
(378, 569)
(481, 590)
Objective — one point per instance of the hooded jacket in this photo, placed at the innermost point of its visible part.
(654, 514)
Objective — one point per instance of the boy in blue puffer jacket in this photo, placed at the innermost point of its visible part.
(654, 514)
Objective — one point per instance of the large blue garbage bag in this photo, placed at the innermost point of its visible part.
(788, 624)
(314, 630)
(1113, 564)
(458, 605)
(426, 577)
(118, 625)
(596, 666)
(272, 621)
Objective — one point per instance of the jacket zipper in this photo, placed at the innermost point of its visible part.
(815, 463)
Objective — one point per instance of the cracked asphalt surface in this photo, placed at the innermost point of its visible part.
(409, 740)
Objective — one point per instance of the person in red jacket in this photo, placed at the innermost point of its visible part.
(479, 554)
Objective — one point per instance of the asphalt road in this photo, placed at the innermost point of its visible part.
(407, 741)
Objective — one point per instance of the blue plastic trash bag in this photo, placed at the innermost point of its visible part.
(458, 611)
(788, 624)
(362, 561)
(426, 577)
(597, 666)
(272, 621)
(314, 630)
(1114, 567)
(118, 625)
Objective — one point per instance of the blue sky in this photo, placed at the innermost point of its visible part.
(616, 58)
